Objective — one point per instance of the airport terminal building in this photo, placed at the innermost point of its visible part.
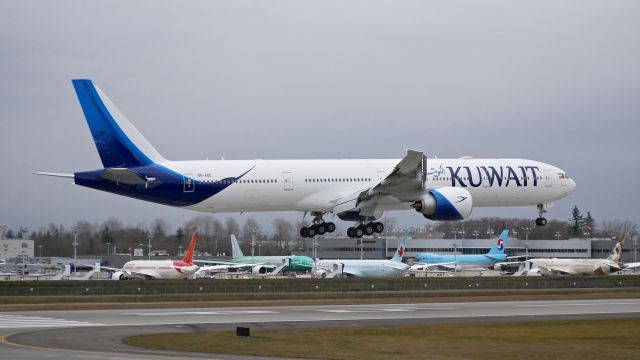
(385, 247)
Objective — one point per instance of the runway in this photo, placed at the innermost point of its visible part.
(99, 332)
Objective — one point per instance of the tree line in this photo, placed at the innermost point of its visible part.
(282, 236)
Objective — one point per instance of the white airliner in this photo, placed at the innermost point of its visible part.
(599, 267)
(358, 191)
(159, 269)
(366, 268)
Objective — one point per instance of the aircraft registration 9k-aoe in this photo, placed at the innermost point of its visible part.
(355, 190)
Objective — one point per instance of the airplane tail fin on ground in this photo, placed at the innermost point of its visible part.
(617, 249)
(402, 248)
(499, 246)
(188, 256)
(118, 142)
(235, 248)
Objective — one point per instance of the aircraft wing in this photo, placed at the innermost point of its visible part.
(353, 272)
(405, 183)
(558, 269)
(231, 265)
(422, 266)
(631, 265)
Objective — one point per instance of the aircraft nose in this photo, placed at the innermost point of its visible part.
(572, 185)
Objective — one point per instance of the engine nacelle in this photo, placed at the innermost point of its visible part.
(259, 270)
(445, 204)
(119, 275)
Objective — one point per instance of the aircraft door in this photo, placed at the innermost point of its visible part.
(188, 183)
(287, 178)
(547, 178)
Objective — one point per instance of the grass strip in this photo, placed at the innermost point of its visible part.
(33, 303)
(543, 340)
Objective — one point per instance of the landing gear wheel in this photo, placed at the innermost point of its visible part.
(541, 221)
(331, 227)
(378, 227)
(359, 231)
(368, 229)
(320, 229)
(351, 232)
(304, 232)
(312, 231)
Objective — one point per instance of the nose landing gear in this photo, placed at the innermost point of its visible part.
(541, 220)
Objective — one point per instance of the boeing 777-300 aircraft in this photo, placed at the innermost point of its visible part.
(358, 191)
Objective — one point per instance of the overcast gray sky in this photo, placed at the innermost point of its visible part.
(555, 81)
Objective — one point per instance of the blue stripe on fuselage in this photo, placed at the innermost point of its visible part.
(167, 189)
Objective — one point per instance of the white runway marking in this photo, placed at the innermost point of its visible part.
(580, 304)
(203, 313)
(362, 310)
(19, 321)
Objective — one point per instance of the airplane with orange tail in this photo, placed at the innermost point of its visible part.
(159, 269)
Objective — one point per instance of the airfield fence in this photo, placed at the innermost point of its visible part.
(246, 286)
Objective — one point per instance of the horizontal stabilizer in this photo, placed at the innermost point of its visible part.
(125, 176)
(70, 176)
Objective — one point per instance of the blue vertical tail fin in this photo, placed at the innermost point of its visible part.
(498, 247)
(118, 142)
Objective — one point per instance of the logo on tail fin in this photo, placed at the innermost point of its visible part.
(500, 245)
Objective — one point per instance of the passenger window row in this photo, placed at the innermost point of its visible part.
(337, 180)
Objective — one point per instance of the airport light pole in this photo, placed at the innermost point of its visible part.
(253, 244)
(526, 234)
(75, 244)
(259, 248)
(635, 232)
(108, 245)
(3, 230)
(23, 230)
(455, 259)
(179, 250)
(476, 234)
(149, 248)
(557, 235)
(130, 254)
(40, 250)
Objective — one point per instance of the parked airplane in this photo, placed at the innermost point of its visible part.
(599, 267)
(259, 265)
(358, 191)
(366, 267)
(159, 269)
(495, 255)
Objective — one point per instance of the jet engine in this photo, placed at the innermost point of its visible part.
(119, 275)
(259, 270)
(445, 204)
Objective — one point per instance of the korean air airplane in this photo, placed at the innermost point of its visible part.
(357, 191)
(495, 255)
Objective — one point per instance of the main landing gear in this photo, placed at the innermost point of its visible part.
(365, 229)
(541, 220)
(319, 227)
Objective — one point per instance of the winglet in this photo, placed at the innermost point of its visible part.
(188, 256)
